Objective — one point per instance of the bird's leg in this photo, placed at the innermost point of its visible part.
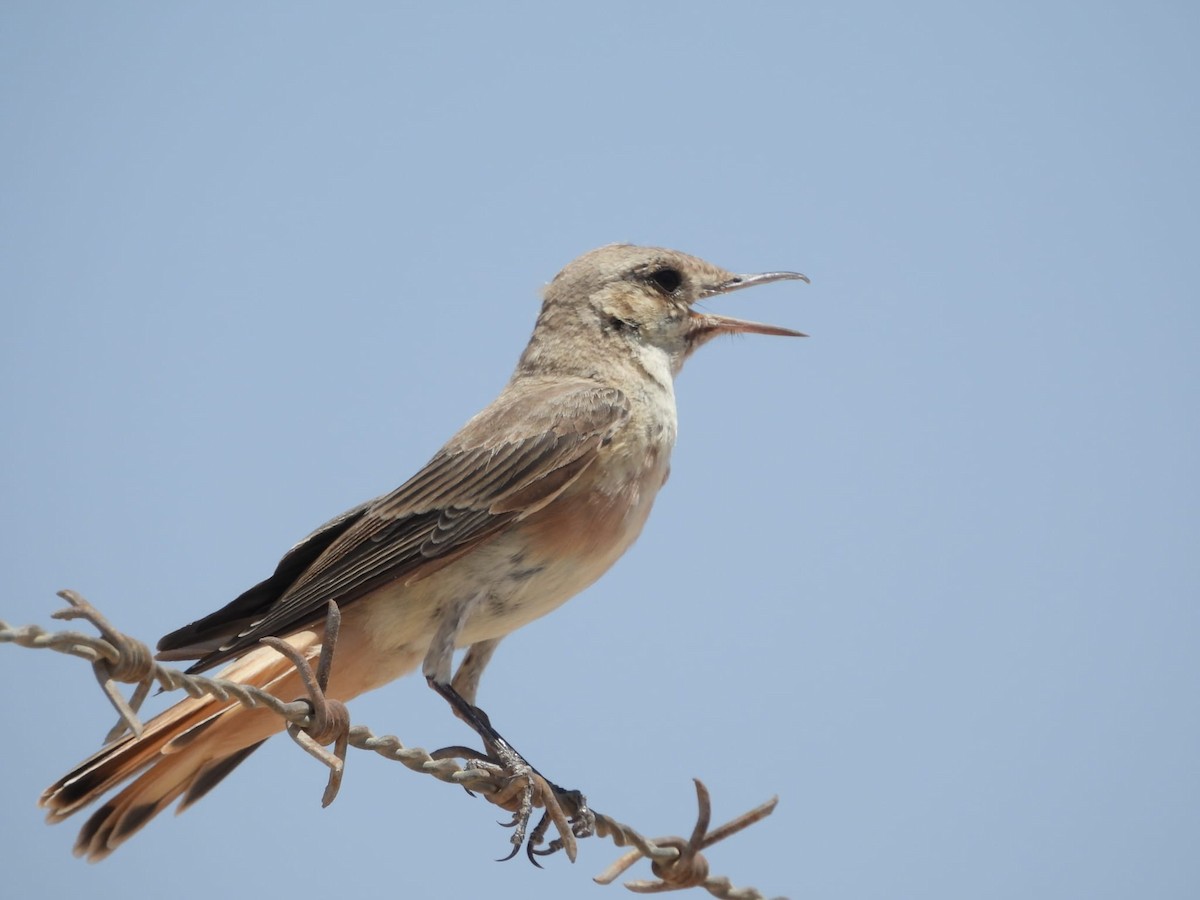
(497, 746)
(470, 670)
(460, 692)
(567, 808)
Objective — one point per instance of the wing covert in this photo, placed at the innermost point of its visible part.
(511, 459)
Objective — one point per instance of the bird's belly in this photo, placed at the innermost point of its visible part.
(524, 573)
(553, 555)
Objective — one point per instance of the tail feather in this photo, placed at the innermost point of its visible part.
(185, 752)
(118, 819)
(117, 762)
(213, 774)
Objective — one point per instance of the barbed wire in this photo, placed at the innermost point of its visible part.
(318, 721)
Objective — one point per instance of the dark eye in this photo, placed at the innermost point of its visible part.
(667, 279)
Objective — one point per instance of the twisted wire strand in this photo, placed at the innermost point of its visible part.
(117, 657)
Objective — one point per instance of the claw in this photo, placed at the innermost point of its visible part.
(515, 849)
(535, 839)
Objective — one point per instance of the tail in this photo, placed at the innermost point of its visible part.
(183, 752)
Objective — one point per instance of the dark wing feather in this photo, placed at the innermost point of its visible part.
(207, 634)
(508, 461)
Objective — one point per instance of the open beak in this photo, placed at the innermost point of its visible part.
(707, 325)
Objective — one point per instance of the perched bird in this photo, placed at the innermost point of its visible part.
(524, 507)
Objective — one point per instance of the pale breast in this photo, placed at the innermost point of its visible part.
(543, 560)
(567, 545)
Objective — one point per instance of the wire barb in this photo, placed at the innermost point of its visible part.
(686, 866)
(317, 720)
(330, 719)
(129, 661)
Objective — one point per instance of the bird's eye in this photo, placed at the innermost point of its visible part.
(667, 279)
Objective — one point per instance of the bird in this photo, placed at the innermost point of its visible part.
(530, 502)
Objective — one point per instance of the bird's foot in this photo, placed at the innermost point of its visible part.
(569, 812)
(523, 788)
(527, 790)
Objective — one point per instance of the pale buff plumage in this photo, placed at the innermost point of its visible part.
(528, 504)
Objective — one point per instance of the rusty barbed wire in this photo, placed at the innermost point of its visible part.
(318, 721)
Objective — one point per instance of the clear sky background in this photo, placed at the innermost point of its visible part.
(930, 575)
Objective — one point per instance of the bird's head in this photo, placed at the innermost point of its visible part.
(639, 303)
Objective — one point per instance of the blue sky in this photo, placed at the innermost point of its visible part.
(930, 575)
